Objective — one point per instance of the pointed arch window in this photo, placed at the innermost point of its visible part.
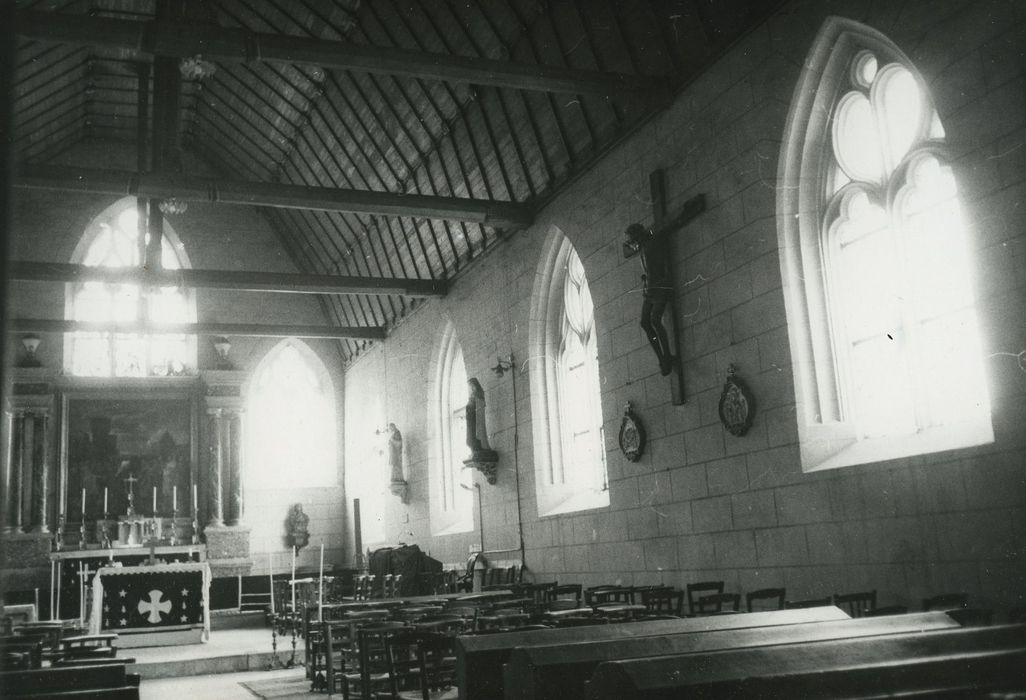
(290, 421)
(570, 456)
(452, 500)
(876, 262)
(113, 240)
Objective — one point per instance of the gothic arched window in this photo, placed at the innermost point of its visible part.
(570, 455)
(875, 258)
(452, 501)
(112, 240)
(290, 421)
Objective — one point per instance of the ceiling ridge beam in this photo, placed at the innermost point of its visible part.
(243, 281)
(498, 214)
(260, 330)
(242, 46)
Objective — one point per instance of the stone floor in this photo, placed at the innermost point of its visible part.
(221, 686)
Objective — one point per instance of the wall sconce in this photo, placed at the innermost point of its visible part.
(222, 345)
(31, 344)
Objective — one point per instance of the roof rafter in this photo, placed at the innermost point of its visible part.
(243, 281)
(272, 194)
(241, 46)
(263, 330)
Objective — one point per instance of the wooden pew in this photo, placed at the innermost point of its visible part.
(859, 667)
(100, 681)
(479, 658)
(560, 671)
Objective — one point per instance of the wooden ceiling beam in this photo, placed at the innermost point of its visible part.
(232, 45)
(271, 194)
(261, 330)
(285, 282)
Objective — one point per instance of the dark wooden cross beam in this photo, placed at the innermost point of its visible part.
(284, 282)
(232, 45)
(664, 225)
(42, 325)
(271, 194)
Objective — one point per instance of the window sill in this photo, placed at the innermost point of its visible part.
(588, 500)
(938, 439)
(453, 529)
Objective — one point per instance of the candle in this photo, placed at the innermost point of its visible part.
(195, 501)
(83, 504)
(293, 579)
(320, 588)
(154, 500)
(270, 578)
(174, 498)
(104, 500)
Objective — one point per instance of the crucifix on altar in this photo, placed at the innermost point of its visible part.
(655, 247)
(130, 487)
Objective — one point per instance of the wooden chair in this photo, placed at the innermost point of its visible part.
(946, 601)
(372, 657)
(89, 646)
(857, 604)
(421, 666)
(809, 603)
(714, 604)
(565, 597)
(773, 597)
(697, 590)
(604, 595)
(663, 601)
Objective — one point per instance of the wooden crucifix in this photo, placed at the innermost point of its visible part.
(655, 246)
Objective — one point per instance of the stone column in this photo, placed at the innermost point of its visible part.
(41, 473)
(227, 538)
(215, 494)
(14, 473)
(233, 455)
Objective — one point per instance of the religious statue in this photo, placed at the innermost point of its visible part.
(477, 433)
(482, 456)
(657, 281)
(395, 452)
(297, 527)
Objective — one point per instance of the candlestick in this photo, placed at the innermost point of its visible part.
(293, 580)
(320, 588)
(270, 577)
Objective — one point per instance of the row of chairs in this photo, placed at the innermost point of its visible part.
(29, 645)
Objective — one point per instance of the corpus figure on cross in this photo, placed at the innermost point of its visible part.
(657, 281)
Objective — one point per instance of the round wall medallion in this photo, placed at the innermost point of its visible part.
(737, 405)
(632, 435)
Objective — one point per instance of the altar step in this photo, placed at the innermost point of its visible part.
(235, 620)
(228, 651)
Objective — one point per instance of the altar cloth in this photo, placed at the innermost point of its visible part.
(159, 604)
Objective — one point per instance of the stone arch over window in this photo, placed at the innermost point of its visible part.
(452, 501)
(875, 260)
(566, 403)
(290, 431)
(112, 240)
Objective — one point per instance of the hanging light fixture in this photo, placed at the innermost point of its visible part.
(196, 68)
(172, 206)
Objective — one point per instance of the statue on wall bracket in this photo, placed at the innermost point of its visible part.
(655, 248)
(397, 485)
(297, 527)
(482, 456)
(737, 405)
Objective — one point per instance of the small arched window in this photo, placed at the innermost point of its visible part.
(113, 240)
(570, 456)
(452, 500)
(875, 258)
(290, 421)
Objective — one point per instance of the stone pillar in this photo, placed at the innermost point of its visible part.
(215, 494)
(227, 538)
(13, 473)
(41, 475)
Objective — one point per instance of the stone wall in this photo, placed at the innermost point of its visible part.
(702, 503)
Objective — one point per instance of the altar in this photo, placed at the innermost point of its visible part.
(152, 605)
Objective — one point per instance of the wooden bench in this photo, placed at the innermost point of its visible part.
(862, 667)
(479, 658)
(93, 681)
(561, 671)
